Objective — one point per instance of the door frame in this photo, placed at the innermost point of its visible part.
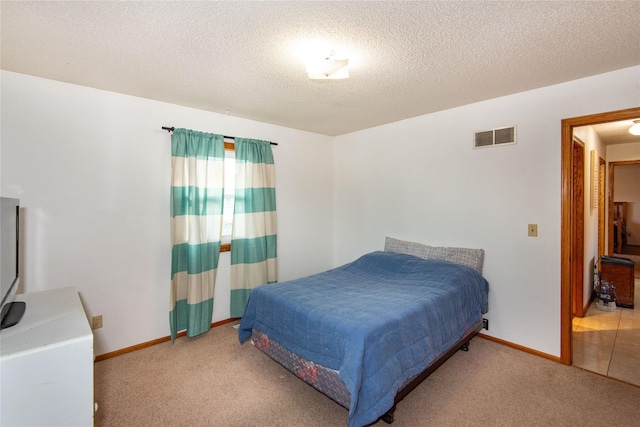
(566, 225)
(612, 168)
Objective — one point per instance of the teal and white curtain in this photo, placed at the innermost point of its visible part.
(197, 188)
(254, 258)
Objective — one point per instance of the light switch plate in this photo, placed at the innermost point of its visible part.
(533, 230)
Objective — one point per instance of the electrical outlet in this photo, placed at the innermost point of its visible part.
(533, 230)
(96, 322)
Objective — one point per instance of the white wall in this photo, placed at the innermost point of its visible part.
(623, 152)
(92, 171)
(422, 180)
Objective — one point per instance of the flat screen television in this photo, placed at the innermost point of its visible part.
(12, 311)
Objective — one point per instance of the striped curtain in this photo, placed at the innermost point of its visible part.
(254, 259)
(197, 187)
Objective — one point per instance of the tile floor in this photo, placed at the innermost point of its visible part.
(608, 343)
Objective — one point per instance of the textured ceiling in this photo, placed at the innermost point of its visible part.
(406, 58)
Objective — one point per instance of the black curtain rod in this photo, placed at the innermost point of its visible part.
(170, 129)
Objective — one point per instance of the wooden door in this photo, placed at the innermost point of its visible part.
(577, 234)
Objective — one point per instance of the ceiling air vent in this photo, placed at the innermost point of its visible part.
(500, 136)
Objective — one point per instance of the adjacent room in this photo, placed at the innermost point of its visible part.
(497, 136)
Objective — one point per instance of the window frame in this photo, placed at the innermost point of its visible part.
(228, 146)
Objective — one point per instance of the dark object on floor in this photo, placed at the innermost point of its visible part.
(619, 272)
(606, 296)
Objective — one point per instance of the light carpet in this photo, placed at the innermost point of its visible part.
(212, 380)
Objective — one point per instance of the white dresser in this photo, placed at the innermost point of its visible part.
(46, 365)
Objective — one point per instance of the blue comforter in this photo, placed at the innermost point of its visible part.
(379, 321)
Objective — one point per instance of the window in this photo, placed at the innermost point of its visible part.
(229, 191)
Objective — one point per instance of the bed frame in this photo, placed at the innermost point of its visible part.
(337, 393)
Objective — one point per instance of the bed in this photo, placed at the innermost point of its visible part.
(369, 331)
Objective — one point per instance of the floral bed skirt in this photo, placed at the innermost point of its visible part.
(323, 379)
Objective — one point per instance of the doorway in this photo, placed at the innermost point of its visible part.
(617, 238)
(567, 218)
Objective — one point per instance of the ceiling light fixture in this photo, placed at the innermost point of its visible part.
(327, 67)
(635, 128)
